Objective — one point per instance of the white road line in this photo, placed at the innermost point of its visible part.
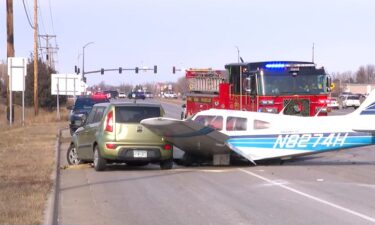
(368, 218)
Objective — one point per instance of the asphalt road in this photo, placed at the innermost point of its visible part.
(329, 188)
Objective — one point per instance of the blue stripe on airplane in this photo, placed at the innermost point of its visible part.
(370, 110)
(313, 142)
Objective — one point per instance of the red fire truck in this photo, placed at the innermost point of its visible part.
(297, 88)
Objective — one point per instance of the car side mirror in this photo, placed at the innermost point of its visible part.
(81, 121)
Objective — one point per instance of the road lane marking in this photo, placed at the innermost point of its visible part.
(368, 218)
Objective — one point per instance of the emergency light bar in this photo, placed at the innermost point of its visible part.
(284, 65)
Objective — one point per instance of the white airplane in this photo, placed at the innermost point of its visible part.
(214, 133)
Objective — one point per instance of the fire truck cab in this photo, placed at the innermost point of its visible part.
(294, 87)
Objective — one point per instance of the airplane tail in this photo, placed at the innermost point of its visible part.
(364, 115)
(367, 107)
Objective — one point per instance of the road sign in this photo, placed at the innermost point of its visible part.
(17, 70)
(66, 84)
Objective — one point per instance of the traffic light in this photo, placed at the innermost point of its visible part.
(136, 69)
(155, 69)
(174, 70)
(84, 79)
(120, 70)
(76, 69)
(102, 71)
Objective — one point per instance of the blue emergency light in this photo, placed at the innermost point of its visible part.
(275, 65)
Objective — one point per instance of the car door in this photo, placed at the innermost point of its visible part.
(88, 136)
(92, 130)
(83, 143)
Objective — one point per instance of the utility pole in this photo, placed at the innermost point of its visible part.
(238, 54)
(49, 49)
(36, 99)
(313, 51)
(10, 46)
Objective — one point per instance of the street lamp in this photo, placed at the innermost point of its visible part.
(83, 58)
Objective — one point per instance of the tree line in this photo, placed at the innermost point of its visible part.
(364, 75)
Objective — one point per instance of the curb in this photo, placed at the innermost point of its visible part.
(50, 211)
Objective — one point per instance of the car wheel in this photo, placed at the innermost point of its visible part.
(72, 156)
(99, 161)
(188, 159)
(166, 165)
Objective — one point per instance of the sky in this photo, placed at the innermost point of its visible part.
(195, 34)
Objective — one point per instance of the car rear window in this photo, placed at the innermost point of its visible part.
(87, 103)
(134, 114)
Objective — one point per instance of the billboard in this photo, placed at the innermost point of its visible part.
(67, 84)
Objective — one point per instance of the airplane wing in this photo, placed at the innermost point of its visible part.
(189, 136)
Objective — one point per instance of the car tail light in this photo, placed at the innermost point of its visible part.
(109, 122)
(167, 147)
(110, 146)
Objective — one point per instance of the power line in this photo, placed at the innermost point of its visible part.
(39, 44)
(27, 15)
(41, 17)
(50, 13)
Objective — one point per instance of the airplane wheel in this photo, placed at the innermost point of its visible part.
(188, 159)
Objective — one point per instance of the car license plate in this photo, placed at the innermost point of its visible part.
(139, 154)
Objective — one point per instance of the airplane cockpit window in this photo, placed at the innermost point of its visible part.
(215, 122)
(260, 124)
(236, 123)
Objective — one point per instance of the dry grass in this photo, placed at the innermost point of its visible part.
(26, 163)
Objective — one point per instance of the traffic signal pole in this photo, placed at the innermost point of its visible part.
(120, 69)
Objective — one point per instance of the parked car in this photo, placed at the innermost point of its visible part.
(343, 95)
(170, 94)
(332, 103)
(351, 101)
(121, 95)
(113, 133)
(112, 94)
(136, 95)
(149, 94)
(81, 108)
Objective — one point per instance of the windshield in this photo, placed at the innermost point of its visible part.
(276, 84)
(353, 97)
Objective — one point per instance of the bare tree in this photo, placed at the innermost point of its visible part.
(370, 72)
(182, 85)
(347, 77)
(361, 76)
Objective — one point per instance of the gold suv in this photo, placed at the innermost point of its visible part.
(112, 133)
